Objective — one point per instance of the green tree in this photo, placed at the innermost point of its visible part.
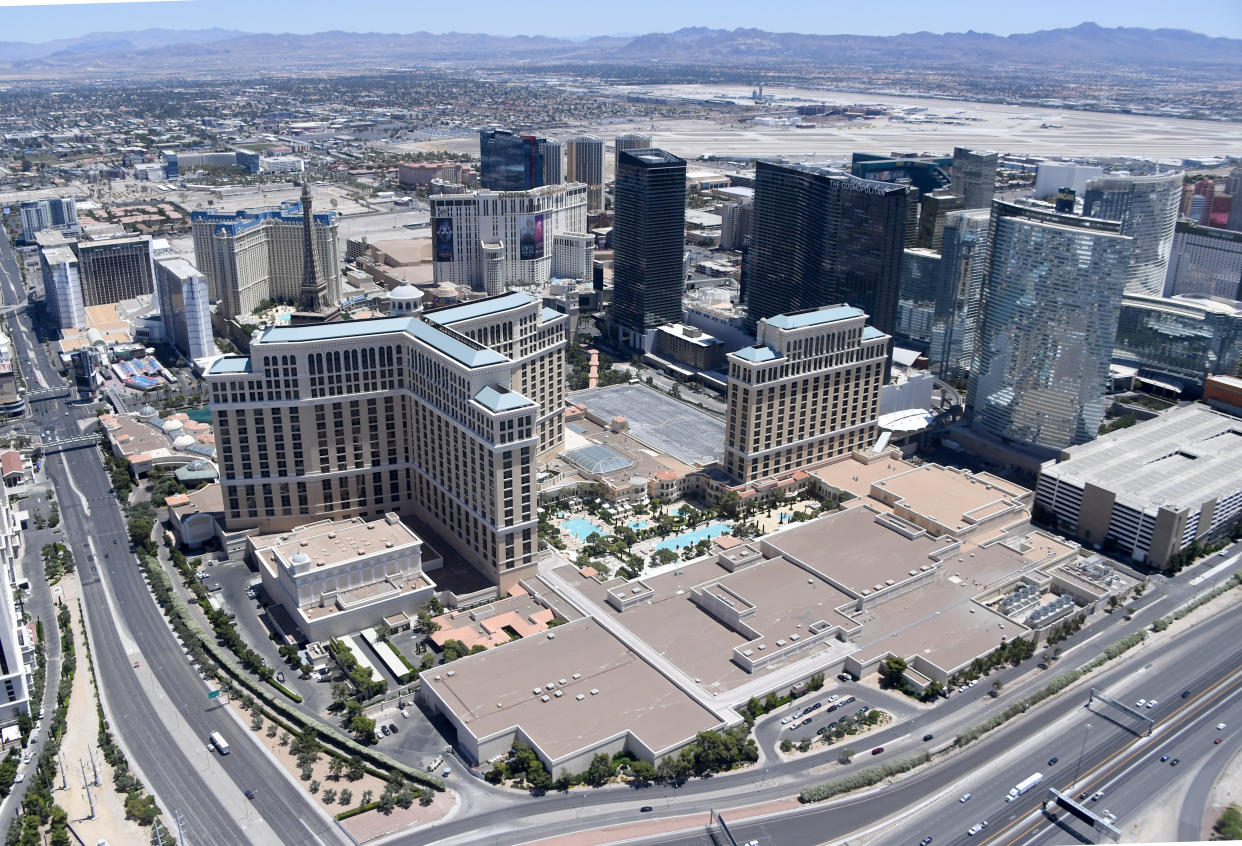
(363, 728)
(347, 796)
(600, 771)
(355, 770)
(642, 772)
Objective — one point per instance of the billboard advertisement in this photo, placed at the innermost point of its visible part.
(530, 237)
(443, 229)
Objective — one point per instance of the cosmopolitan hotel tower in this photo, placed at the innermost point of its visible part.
(806, 392)
(439, 417)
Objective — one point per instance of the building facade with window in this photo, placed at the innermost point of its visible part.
(252, 255)
(806, 392)
(505, 237)
(411, 414)
(1050, 304)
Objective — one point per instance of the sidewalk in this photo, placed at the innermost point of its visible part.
(81, 735)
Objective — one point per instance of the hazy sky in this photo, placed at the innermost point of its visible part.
(24, 20)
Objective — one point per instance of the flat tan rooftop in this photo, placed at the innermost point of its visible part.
(854, 476)
(947, 496)
(686, 635)
(334, 541)
(938, 621)
(854, 550)
(494, 691)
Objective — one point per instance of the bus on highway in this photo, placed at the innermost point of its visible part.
(218, 741)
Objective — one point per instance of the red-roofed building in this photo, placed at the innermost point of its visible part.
(11, 466)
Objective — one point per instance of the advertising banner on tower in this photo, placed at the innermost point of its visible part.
(530, 237)
(443, 229)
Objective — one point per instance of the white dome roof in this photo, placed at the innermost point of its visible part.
(171, 425)
(184, 441)
(405, 292)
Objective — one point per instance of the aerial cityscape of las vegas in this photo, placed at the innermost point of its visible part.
(721, 425)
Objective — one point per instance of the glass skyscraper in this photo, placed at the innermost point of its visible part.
(820, 236)
(955, 323)
(509, 162)
(649, 234)
(1051, 300)
(1179, 341)
(1147, 209)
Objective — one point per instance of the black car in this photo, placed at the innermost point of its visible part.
(249, 794)
(1175, 762)
(645, 809)
(927, 737)
(1052, 762)
(1185, 693)
(925, 840)
(392, 727)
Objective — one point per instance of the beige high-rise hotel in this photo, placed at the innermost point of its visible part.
(439, 416)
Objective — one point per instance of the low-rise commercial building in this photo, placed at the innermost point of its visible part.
(570, 694)
(1152, 490)
(337, 577)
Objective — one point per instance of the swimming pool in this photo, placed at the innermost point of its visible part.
(638, 525)
(582, 528)
(685, 539)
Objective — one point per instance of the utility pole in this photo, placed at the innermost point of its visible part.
(64, 775)
(94, 768)
(159, 835)
(87, 786)
(180, 828)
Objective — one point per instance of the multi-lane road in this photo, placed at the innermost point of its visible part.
(157, 701)
(831, 821)
(160, 711)
(1115, 758)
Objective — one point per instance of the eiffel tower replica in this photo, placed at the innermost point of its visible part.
(314, 305)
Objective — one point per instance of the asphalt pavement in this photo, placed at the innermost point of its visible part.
(927, 804)
(580, 810)
(122, 614)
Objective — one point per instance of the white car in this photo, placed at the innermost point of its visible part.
(964, 798)
(1220, 726)
(973, 682)
(1140, 703)
(977, 827)
(834, 697)
(1152, 703)
(787, 720)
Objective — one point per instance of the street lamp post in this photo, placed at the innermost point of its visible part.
(1081, 752)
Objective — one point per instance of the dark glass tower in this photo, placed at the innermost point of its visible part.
(649, 232)
(509, 162)
(820, 236)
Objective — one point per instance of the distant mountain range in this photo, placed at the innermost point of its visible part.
(163, 51)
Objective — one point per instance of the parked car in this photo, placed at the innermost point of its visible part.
(384, 730)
